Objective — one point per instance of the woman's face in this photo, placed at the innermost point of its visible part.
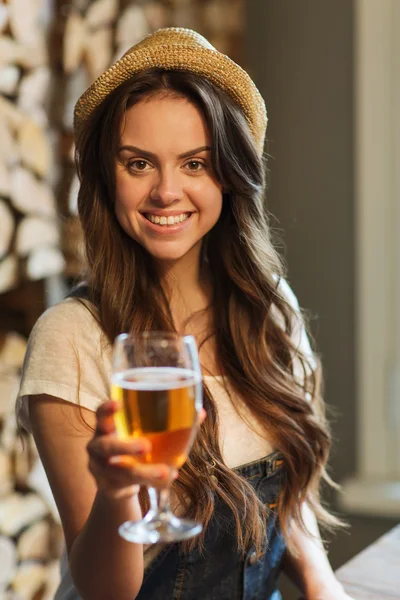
(167, 196)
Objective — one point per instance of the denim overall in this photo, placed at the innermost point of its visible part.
(220, 573)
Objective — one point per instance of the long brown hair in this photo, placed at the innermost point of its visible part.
(254, 351)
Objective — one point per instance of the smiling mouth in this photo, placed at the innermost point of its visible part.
(165, 221)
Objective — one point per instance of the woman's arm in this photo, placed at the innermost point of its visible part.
(102, 564)
(310, 569)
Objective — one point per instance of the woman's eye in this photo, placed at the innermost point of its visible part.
(195, 165)
(138, 165)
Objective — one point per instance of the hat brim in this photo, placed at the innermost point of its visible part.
(209, 63)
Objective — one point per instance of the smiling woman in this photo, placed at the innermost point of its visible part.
(169, 145)
(166, 189)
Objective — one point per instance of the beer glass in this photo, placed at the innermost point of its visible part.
(156, 381)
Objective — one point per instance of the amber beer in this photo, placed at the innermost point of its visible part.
(158, 403)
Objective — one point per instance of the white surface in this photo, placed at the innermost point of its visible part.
(373, 498)
(377, 154)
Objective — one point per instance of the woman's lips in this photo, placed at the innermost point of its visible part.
(166, 229)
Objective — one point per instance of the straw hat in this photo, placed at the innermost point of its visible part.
(175, 48)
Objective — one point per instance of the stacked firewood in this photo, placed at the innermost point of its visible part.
(30, 533)
(94, 34)
(29, 234)
(47, 59)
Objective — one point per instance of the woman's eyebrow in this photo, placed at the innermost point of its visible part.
(152, 156)
(195, 151)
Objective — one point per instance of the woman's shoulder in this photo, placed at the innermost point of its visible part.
(298, 328)
(286, 292)
(67, 317)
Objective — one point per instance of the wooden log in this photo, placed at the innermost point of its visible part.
(9, 78)
(27, 56)
(75, 33)
(6, 225)
(98, 56)
(9, 384)
(40, 117)
(4, 10)
(8, 273)
(18, 511)
(24, 17)
(9, 155)
(34, 542)
(101, 13)
(34, 147)
(223, 18)
(53, 579)
(76, 84)
(35, 232)
(44, 262)
(5, 180)
(11, 52)
(12, 351)
(132, 26)
(9, 431)
(12, 115)
(8, 562)
(36, 53)
(156, 15)
(29, 580)
(31, 196)
(34, 89)
(6, 480)
(186, 15)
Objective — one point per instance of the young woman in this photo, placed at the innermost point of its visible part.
(169, 153)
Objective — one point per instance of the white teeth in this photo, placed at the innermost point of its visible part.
(167, 220)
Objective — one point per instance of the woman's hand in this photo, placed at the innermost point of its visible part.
(112, 460)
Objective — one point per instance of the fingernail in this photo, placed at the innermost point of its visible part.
(114, 460)
(175, 475)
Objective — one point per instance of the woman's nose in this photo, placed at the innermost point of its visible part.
(167, 189)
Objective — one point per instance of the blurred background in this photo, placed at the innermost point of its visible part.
(329, 72)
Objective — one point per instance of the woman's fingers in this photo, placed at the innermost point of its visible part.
(201, 417)
(105, 447)
(118, 465)
(124, 475)
(105, 417)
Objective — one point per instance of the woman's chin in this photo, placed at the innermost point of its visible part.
(164, 256)
(173, 253)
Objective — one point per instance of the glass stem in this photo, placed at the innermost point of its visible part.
(159, 502)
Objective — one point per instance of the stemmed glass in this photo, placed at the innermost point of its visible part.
(156, 380)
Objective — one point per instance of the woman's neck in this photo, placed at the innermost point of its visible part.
(188, 288)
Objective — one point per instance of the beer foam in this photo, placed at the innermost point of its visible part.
(155, 378)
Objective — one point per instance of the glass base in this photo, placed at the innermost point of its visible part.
(159, 528)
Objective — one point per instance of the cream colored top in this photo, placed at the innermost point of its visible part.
(68, 357)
